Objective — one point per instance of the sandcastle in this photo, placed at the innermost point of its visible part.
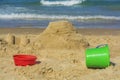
(10, 39)
(24, 41)
(60, 35)
(14, 40)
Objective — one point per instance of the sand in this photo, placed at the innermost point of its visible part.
(57, 63)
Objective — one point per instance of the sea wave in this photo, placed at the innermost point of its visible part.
(62, 2)
(80, 2)
(65, 3)
(42, 16)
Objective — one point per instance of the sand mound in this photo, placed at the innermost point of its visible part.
(60, 27)
(60, 35)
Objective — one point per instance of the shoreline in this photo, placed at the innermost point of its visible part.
(83, 31)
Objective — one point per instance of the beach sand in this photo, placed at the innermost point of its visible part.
(57, 64)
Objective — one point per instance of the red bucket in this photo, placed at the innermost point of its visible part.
(23, 60)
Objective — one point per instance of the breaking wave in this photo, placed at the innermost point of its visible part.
(42, 16)
(65, 3)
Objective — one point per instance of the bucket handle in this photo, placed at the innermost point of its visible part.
(102, 45)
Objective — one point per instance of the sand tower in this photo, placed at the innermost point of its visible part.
(10, 39)
(60, 35)
(24, 41)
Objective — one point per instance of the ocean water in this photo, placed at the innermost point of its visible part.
(38, 13)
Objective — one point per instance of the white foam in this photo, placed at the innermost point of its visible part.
(65, 3)
(42, 16)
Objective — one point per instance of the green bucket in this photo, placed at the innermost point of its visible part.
(98, 57)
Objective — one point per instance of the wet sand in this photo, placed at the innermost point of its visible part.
(84, 31)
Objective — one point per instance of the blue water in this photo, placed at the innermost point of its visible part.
(38, 13)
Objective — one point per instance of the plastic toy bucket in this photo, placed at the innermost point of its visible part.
(23, 60)
(98, 57)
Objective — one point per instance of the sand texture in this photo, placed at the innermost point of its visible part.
(60, 51)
